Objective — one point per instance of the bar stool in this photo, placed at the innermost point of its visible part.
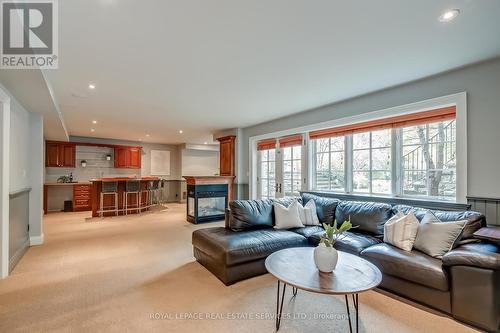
(154, 187)
(108, 188)
(146, 191)
(132, 187)
(161, 188)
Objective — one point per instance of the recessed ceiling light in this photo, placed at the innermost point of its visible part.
(181, 131)
(91, 86)
(92, 130)
(147, 135)
(205, 143)
(94, 121)
(449, 15)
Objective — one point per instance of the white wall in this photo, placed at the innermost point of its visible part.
(26, 163)
(21, 166)
(20, 139)
(200, 162)
(36, 174)
(4, 181)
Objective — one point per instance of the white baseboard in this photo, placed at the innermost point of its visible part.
(36, 240)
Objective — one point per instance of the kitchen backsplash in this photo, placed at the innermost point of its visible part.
(97, 166)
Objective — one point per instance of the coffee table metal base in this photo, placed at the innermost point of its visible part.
(280, 301)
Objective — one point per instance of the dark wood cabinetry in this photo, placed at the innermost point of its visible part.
(60, 154)
(128, 157)
(82, 197)
(227, 155)
(226, 160)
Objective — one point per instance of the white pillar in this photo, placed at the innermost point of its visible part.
(4, 182)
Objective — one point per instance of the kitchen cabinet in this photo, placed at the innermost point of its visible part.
(128, 157)
(226, 155)
(60, 154)
(82, 197)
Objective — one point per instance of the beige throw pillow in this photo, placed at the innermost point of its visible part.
(401, 230)
(435, 237)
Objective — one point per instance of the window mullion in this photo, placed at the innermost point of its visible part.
(348, 165)
(370, 166)
(396, 162)
(330, 164)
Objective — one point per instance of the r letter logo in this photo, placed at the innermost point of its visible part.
(29, 34)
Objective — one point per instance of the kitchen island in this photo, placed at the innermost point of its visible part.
(109, 200)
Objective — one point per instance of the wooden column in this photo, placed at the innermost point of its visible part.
(226, 164)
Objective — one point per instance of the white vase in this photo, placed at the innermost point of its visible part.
(325, 258)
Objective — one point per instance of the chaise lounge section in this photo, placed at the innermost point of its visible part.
(465, 283)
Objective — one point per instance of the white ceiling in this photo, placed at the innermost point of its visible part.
(201, 66)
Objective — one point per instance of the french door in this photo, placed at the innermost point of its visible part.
(280, 167)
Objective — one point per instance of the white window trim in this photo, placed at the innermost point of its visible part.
(459, 100)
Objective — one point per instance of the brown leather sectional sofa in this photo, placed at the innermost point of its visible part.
(464, 284)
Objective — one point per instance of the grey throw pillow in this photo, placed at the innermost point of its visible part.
(435, 237)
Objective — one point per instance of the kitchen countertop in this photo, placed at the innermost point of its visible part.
(121, 179)
(67, 184)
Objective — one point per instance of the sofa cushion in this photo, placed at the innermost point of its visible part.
(250, 214)
(231, 248)
(325, 207)
(309, 230)
(413, 266)
(475, 220)
(367, 216)
(352, 242)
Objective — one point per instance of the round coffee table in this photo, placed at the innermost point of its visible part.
(296, 267)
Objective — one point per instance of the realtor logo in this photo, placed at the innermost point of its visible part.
(29, 34)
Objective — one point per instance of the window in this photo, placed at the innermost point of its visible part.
(292, 174)
(412, 155)
(330, 164)
(267, 173)
(399, 153)
(371, 169)
(429, 160)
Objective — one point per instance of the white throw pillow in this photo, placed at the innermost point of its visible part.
(308, 214)
(401, 230)
(287, 217)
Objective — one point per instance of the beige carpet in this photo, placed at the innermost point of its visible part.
(137, 274)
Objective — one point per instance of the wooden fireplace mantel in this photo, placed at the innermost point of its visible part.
(211, 180)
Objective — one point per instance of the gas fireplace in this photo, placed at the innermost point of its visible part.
(206, 203)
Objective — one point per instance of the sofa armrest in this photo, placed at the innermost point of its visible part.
(482, 255)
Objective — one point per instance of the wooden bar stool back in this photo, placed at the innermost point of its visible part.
(108, 188)
(132, 187)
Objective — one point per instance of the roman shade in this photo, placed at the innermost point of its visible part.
(413, 119)
(290, 141)
(266, 144)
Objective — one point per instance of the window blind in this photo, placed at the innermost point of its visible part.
(290, 141)
(414, 119)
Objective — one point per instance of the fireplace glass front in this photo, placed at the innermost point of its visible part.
(211, 206)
